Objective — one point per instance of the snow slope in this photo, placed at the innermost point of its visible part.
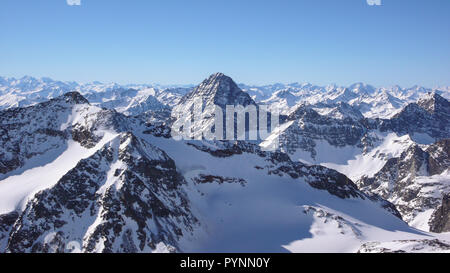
(16, 190)
(246, 217)
(116, 183)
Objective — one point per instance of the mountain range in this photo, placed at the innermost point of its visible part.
(93, 168)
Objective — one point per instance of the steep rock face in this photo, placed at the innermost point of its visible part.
(440, 220)
(372, 102)
(279, 164)
(380, 104)
(411, 163)
(414, 182)
(411, 176)
(435, 103)
(172, 96)
(128, 101)
(127, 197)
(6, 223)
(27, 132)
(339, 111)
(406, 246)
(218, 90)
(439, 159)
(44, 128)
(429, 116)
(90, 123)
(336, 136)
(339, 125)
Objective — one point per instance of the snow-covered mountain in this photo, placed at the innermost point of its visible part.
(383, 102)
(218, 90)
(416, 183)
(126, 197)
(372, 102)
(403, 159)
(97, 171)
(131, 99)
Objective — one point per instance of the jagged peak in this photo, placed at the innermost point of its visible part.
(220, 90)
(283, 93)
(338, 110)
(219, 78)
(137, 146)
(431, 100)
(218, 75)
(75, 97)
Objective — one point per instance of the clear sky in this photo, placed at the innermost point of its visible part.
(403, 42)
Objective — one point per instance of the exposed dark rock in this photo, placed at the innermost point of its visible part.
(397, 180)
(439, 159)
(440, 220)
(430, 115)
(403, 246)
(203, 179)
(146, 191)
(222, 90)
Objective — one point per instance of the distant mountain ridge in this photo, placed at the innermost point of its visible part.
(373, 102)
(101, 170)
(112, 185)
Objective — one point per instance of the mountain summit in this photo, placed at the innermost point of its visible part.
(85, 172)
(433, 102)
(220, 90)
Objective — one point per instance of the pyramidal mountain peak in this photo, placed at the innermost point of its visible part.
(433, 102)
(220, 90)
(75, 97)
(116, 181)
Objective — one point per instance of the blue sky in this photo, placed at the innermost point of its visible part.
(403, 42)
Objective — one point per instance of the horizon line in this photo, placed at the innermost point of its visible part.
(238, 83)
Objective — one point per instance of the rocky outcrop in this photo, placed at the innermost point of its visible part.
(219, 91)
(35, 130)
(205, 179)
(338, 124)
(439, 159)
(415, 181)
(127, 197)
(440, 220)
(6, 223)
(429, 116)
(341, 125)
(46, 127)
(122, 194)
(406, 246)
(279, 163)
